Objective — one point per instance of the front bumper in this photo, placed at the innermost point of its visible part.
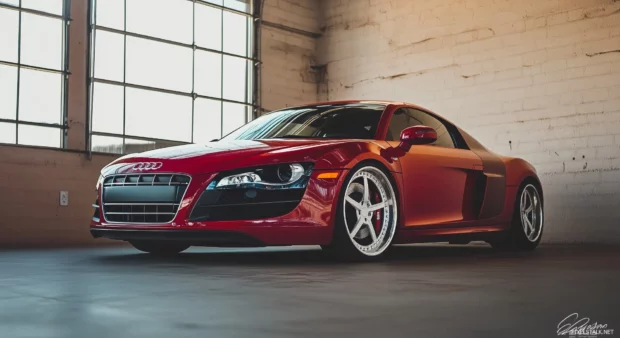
(191, 237)
(309, 223)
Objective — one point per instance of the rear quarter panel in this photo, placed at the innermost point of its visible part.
(517, 170)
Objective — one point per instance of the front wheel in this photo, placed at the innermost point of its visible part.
(527, 224)
(159, 247)
(367, 215)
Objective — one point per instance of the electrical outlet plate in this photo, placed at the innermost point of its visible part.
(64, 198)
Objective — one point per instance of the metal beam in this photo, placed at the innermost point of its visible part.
(292, 29)
(257, 20)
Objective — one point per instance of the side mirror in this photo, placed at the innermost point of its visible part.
(416, 135)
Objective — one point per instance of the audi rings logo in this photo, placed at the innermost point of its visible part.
(147, 166)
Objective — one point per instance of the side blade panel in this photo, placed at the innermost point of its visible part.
(495, 171)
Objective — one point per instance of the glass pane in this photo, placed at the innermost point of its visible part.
(107, 108)
(160, 65)
(50, 6)
(10, 2)
(39, 136)
(249, 82)
(158, 115)
(207, 120)
(8, 92)
(110, 13)
(106, 144)
(166, 19)
(109, 55)
(208, 76)
(41, 41)
(217, 2)
(9, 25)
(136, 146)
(208, 27)
(240, 5)
(235, 78)
(235, 31)
(40, 96)
(7, 132)
(234, 116)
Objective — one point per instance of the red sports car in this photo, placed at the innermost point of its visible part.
(354, 177)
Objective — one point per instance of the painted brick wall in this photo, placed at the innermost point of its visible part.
(287, 77)
(30, 183)
(539, 79)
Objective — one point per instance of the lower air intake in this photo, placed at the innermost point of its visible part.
(245, 204)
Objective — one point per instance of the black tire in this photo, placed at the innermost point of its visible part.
(159, 248)
(516, 239)
(342, 246)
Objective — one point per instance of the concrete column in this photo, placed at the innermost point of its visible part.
(77, 87)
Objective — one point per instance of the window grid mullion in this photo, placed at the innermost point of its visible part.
(26, 66)
(66, 11)
(222, 75)
(124, 73)
(92, 21)
(247, 51)
(193, 66)
(19, 61)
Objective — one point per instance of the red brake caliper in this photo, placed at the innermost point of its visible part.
(378, 215)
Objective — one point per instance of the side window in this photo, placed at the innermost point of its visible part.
(400, 120)
(404, 118)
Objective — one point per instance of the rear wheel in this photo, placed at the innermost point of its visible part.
(367, 215)
(527, 224)
(159, 247)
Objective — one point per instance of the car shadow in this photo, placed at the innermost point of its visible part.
(313, 256)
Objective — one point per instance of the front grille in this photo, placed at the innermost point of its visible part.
(143, 198)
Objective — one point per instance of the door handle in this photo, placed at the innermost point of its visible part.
(478, 167)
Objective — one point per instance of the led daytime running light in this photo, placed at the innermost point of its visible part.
(254, 178)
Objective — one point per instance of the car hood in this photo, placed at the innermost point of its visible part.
(224, 155)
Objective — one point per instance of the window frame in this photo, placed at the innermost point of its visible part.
(64, 20)
(455, 136)
(252, 62)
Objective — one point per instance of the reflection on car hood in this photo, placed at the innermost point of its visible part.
(194, 150)
(224, 155)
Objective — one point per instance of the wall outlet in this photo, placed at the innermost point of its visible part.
(64, 198)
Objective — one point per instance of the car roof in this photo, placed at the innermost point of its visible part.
(381, 102)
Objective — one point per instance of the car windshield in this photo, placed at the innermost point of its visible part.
(356, 121)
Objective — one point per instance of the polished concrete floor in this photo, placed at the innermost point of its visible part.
(418, 291)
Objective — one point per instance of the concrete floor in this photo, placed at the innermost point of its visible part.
(419, 291)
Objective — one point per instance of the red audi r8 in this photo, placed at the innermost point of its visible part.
(354, 177)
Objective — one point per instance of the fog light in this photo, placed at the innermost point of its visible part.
(251, 194)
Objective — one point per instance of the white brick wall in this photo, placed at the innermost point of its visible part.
(287, 57)
(538, 79)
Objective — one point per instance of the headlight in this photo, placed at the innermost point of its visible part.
(281, 176)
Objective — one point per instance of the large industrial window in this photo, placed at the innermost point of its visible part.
(168, 72)
(33, 71)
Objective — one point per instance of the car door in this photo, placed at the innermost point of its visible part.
(442, 180)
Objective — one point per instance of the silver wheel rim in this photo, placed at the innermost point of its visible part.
(531, 212)
(370, 212)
